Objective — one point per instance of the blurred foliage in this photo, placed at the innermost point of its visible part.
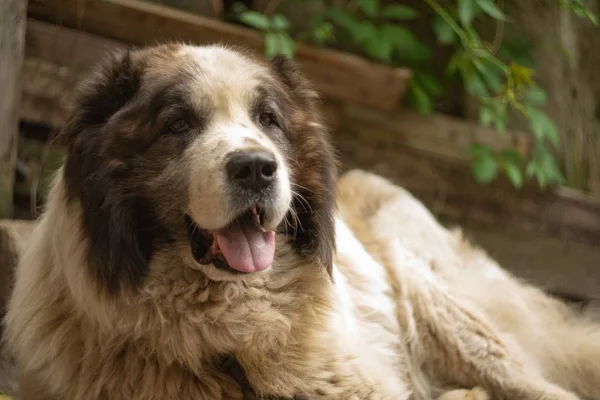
(500, 75)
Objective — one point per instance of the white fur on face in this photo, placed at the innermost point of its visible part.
(226, 83)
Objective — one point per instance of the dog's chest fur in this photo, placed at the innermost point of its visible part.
(168, 343)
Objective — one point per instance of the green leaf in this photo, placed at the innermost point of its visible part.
(279, 43)
(514, 174)
(500, 125)
(591, 16)
(342, 18)
(542, 126)
(543, 167)
(536, 96)
(522, 76)
(553, 172)
(271, 44)
(492, 75)
(364, 33)
(255, 20)
(490, 8)
(323, 33)
(473, 37)
(418, 99)
(511, 161)
(428, 82)
(457, 62)
(399, 12)
(380, 46)
(408, 46)
(475, 85)
(517, 49)
(486, 115)
(478, 149)
(485, 168)
(444, 32)
(287, 46)
(280, 23)
(369, 7)
(466, 11)
(511, 156)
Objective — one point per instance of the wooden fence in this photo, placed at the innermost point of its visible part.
(427, 155)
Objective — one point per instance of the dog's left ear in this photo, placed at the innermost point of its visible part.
(314, 161)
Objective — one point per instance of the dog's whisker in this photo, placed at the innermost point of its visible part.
(302, 187)
(305, 203)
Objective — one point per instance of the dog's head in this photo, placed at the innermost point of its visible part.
(202, 149)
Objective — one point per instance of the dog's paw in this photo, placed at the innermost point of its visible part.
(464, 394)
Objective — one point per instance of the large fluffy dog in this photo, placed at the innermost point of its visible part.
(195, 217)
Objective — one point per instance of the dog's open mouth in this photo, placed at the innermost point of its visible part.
(242, 246)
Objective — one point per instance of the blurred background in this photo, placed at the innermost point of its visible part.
(488, 111)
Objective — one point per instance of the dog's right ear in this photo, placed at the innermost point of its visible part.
(100, 96)
(119, 245)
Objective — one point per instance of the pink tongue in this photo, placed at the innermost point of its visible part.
(246, 248)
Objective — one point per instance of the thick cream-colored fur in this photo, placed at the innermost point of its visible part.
(292, 330)
(505, 325)
(413, 310)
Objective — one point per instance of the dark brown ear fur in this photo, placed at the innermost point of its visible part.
(315, 169)
(121, 230)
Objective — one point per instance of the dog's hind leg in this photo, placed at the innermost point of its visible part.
(455, 334)
(454, 343)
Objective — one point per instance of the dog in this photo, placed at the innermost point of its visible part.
(197, 216)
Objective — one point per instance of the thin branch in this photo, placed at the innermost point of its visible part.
(499, 31)
(449, 20)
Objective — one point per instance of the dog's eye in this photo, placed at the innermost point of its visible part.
(179, 126)
(267, 118)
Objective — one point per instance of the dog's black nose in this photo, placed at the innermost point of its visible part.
(252, 169)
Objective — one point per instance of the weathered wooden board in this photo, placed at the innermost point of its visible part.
(427, 155)
(559, 266)
(451, 192)
(12, 39)
(449, 189)
(338, 75)
(58, 56)
(439, 135)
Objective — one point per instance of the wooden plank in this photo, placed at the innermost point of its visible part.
(398, 145)
(446, 187)
(68, 47)
(56, 59)
(559, 266)
(335, 74)
(58, 56)
(439, 135)
(12, 41)
(452, 194)
(571, 83)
